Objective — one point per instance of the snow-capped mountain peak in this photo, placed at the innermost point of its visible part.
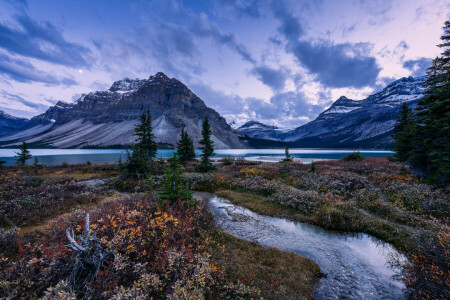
(127, 85)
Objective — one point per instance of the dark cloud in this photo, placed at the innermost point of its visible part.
(337, 65)
(201, 26)
(42, 41)
(290, 26)
(24, 71)
(275, 79)
(418, 67)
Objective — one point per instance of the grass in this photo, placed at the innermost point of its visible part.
(261, 205)
(277, 274)
(341, 220)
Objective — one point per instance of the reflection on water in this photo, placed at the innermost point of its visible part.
(77, 156)
(356, 266)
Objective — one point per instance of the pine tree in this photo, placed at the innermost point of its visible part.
(174, 187)
(207, 148)
(190, 148)
(403, 133)
(431, 154)
(145, 140)
(23, 155)
(144, 151)
(185, 147)
(287, 157)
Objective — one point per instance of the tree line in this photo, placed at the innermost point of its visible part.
(422, 134)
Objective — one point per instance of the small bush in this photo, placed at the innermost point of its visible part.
(355, 156)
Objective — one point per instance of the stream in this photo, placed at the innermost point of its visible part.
(356, 266)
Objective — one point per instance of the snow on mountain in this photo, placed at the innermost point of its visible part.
(366, 123)
(259, 130)
(9, 124)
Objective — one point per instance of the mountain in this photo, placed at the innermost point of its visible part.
(10, 124)
(348, 123)
(106, 118)
(259, 130)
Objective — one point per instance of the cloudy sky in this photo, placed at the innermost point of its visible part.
(281, 62)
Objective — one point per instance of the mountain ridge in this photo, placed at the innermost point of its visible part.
(351, 123)
(104, 118)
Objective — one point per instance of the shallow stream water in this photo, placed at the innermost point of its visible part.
(356, 266)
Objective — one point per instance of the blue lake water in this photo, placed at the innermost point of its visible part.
(53, 157)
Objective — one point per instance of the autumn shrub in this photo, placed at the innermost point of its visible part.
(160, 252)
(428, 273)
(26, 199)
(257, 184)
(201, 181)
(419, 198)
(305, 202)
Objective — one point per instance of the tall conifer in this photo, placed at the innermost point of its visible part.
(403, 133)
(23, 155)
(431, 154)
(207, 148)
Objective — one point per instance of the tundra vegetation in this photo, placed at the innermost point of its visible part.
(161, 243)
(374, 195)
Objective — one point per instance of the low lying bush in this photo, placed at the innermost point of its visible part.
(27, 199)
(305, 202)
(355, 156)
(159, 253)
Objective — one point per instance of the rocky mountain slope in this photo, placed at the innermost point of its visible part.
(105, 118)
(9, 124)
(366, 123)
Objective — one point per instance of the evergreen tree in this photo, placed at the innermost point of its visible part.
(185, 147)
(287, 157)
(144, 151)
(207, 148)
(431, 154)
(23, 155)
(403, 133)
(174, 187)
(145, 140)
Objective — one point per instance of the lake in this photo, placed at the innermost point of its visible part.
(53, 157)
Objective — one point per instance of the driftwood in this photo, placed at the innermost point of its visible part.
(89, 258)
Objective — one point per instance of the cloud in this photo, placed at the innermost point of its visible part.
(24, 71)
(202, 27)
(418, 67)
(42, 41)
(377, 10)
(275, 79)
(240, 8)
(20, 106)
(290, 26)
(224, 103)
(337, 65)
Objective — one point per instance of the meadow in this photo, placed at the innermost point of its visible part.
(150, 247)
